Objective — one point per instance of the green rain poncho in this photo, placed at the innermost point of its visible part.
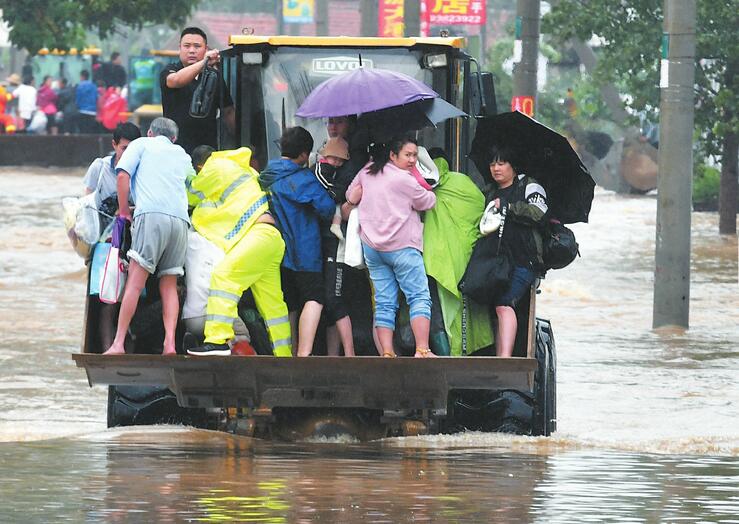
(450, 232)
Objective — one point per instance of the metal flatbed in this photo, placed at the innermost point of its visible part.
(318, 382)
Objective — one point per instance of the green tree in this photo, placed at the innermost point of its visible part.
(63, 23)
(631, 31)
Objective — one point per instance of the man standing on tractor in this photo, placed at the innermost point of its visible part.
(234, 215)
(178, 82)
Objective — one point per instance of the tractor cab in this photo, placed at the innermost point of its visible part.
(269, 77)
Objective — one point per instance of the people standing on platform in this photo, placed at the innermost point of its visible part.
(390, 199)
(26, 95)
(46, 101)
(299, 202)
(154, 170)
(112, 73)
(67, 107)
(234, 216)
(86, 97)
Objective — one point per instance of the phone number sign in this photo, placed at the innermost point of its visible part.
(454, 12)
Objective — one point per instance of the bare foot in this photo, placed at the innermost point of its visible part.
(169, 352)
(115, 349)
(424, 353)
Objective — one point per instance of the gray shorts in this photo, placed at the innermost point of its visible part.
(159, 243)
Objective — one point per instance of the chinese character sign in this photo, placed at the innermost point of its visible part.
(391, 22)
(298, 11)
(455, 12)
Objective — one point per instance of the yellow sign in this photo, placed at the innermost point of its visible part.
(391, 22)
(298, 11)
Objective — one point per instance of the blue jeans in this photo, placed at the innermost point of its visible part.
(392, 269)
(521, 281)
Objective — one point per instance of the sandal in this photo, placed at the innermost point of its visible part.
(425, 353)
(388, 354)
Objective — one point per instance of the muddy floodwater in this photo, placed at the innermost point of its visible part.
(648, 422)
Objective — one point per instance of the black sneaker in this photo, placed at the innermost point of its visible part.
(210, 350)
(190, 341)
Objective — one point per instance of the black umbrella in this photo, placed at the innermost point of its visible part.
(386, 123)
(543, 154)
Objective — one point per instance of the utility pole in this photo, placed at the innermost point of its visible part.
(369, 14)
(526, 54)
(412, 17)
(672, 249)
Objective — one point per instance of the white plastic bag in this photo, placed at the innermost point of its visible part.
(87, 225)
(82, 223)
(113, 279)
(38, 123)
(353, 254)
(201, 258)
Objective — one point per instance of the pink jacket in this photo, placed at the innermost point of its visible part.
(388, 211)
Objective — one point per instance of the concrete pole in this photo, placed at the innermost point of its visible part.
(369, 14)
(412, 17)
(527, 46)
(322, 17)
(672, 249)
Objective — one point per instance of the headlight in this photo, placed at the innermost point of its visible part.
(434, 61)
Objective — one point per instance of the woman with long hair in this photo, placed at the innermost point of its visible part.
(390, 199)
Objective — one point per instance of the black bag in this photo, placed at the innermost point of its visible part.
(560, 246)
(205, 93)
(488, 273)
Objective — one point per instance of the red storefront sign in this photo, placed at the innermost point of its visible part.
(453, 12)
(390, 18)
(524, 104)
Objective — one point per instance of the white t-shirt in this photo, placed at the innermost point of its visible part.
(26, 96)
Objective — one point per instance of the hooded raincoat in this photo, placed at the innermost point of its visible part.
(232, 201)
(298, 202)
(450, 232)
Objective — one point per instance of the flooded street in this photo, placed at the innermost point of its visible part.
(648, 422)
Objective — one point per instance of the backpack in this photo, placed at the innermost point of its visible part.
(560, 246)
(205, 93)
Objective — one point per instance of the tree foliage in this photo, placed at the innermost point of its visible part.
(631, 32)
(62, 24)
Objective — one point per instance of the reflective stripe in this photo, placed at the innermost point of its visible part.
(188, 185)
(282, 342)
(219, 318)
(224, 294)
(246, 216)
(276, 321)
(208, 204)
(198, 194)
(230, 189)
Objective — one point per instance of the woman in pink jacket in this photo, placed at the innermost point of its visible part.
(389, 199)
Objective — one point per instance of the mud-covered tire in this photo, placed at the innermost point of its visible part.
(149, 405)
(545, 381)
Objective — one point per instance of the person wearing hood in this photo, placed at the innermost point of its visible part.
(298, 202)
(234, 217)
(450, 231)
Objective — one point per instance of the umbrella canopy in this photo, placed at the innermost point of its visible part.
(392, 121)
(543, 154)
(361, 91)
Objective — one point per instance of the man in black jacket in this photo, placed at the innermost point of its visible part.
(178, 82)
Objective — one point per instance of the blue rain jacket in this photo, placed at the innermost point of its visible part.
(298, 202)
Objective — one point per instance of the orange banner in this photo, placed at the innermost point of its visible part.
(455, 12)
(390, 18)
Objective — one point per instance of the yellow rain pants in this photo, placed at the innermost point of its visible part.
(253, 262)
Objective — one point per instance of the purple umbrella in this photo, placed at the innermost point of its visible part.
(361, 91)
